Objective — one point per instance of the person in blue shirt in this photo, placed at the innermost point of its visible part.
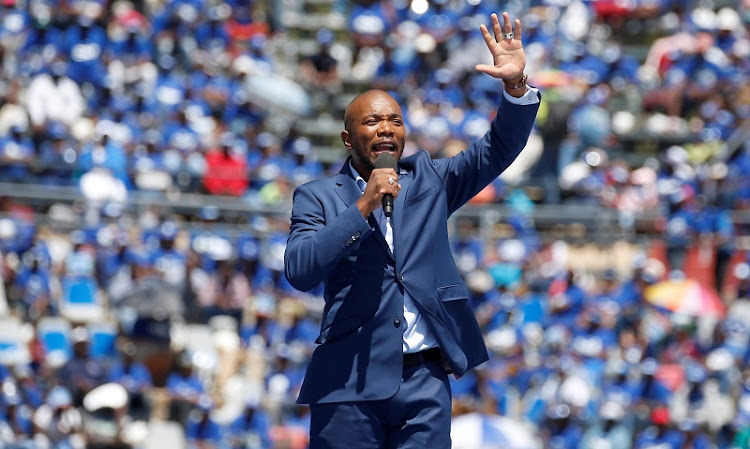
(135, 377)
(184, 388)
(85, 43)
(370, 21)
(680, 230)
(211, 34)
(251, 429)
(58, 157)
(41, 38)
(201, 430)
(179, 134)
(106, 153)
(166, 259)
(565, 305)
(132, 47)
(33, 286)
(81, 374)
(561, 429)
(30, 385)
(16, 156)
(15, 419)
(651, 390)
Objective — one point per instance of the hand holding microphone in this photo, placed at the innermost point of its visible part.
(382, 186)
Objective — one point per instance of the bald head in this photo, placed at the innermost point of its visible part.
(373, 124)
(365, 99)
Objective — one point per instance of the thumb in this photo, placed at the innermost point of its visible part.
(484, 68)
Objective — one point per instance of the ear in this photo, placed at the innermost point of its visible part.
(345, 139)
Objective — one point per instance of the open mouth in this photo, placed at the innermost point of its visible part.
(382, 147)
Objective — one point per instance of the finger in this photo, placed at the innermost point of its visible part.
(518, 30)
(506, 23)
(487, 37)
(496, 28)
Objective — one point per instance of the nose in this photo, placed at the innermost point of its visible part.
(385, 128)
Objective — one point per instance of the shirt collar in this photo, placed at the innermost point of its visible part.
(356, 174)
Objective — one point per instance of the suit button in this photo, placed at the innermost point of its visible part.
(397, 322)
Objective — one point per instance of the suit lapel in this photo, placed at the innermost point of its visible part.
(347, 189)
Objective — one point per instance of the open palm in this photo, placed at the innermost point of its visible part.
(507, 54)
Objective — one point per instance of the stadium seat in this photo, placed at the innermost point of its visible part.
(103, 338)
(13, 345)
(80, 302)
(55, 335)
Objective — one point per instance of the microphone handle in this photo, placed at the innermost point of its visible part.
(388, 205)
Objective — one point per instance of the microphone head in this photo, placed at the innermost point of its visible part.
(385, 160)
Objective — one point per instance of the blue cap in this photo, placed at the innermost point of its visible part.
(168, 230)
(210, 212)
(324, 36)
(59, 397)
(249, 249)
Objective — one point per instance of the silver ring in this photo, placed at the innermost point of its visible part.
(508, 35)
(391, 180)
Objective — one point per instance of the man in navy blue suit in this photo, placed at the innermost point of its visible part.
(397, 318)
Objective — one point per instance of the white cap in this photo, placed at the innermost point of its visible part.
(110, 395)
(727, 19)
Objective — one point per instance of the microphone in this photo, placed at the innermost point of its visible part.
(385, 160)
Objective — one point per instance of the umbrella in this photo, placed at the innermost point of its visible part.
(480, 431)
(686, 296)
(551, 78)
(154, 298)
(273, 90)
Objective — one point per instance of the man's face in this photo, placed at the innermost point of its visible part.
(374, 125)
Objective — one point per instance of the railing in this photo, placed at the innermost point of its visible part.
(585, 222)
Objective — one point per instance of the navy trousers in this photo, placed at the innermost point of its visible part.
(418, 416)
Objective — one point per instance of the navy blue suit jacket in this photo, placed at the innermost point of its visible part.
(359, 352)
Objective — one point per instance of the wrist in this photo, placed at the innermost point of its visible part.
(363, 208)
(517, 86)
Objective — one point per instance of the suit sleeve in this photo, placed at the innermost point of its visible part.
(315, 246)
(465, 174)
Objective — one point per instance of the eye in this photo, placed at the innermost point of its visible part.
(397, 121)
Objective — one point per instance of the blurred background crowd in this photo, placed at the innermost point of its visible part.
(149, 148)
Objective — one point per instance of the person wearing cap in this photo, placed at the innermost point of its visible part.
(397, 317)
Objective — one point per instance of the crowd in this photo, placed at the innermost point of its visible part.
(644, 108)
